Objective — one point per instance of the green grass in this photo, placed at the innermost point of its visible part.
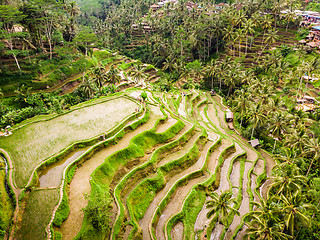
(37, 214)
(6, 206)
(33, 143)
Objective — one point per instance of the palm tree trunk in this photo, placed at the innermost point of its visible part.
(246, 45)
(252, 133)
(85, 64)
(274, 146)
(310, 167)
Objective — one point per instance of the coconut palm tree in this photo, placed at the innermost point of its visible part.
(263, 222)
(256, 116)
(99, 76)
(87, 87)
(221, 206)
(229, 36)
(241, 102)
(297, 139)
(211, 71)
(138, 73)
(288, 180)
(277, 126)
(22, 93)
(113, 75)
(290, 16)
(312, 147)
(266, 228)
(248, 30)
(295, 211)
(271, 38)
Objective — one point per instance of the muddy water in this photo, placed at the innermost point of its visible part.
(80, 183)
(176, 231)
(52, 176)
(147, 218)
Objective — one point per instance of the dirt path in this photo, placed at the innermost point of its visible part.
(80, 183)
(176, 231)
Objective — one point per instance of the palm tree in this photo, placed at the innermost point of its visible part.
(99, 76)
(313, 147)
(221, 206)
(22, 93)
(294, 209)
(265, 24)
(248, 29)
(290, 16)
(266, 228)
(297, 139)
(271, 38)
(256, 115)
(238, 37)
(288, 181)
(222, 68)
(138, 73)
(277, 126)
(241, 103)
(229, 36)
(264, 223)
(87, 87)
(211, 71)
(113, 75)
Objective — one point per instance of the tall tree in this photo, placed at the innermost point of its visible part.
(9, 16)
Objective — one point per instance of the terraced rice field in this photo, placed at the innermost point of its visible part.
(157, 169)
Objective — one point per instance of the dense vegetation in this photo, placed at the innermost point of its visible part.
(45, 44)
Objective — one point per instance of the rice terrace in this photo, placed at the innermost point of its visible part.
(170, 120)
(158, 161)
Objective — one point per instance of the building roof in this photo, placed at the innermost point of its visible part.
(316, 27)
(254, 142)
(309, 98)
(229, 115)
(312, 44)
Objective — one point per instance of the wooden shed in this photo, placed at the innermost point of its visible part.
(254, 143)
(229, 116)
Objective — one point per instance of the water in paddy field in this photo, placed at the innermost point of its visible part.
(52, 176)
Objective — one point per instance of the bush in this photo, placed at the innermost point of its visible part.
(98, 211)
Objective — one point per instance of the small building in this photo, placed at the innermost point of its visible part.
(309, 99)
(155, 7)
(311, 79)
(254, 143)
(229, 116)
